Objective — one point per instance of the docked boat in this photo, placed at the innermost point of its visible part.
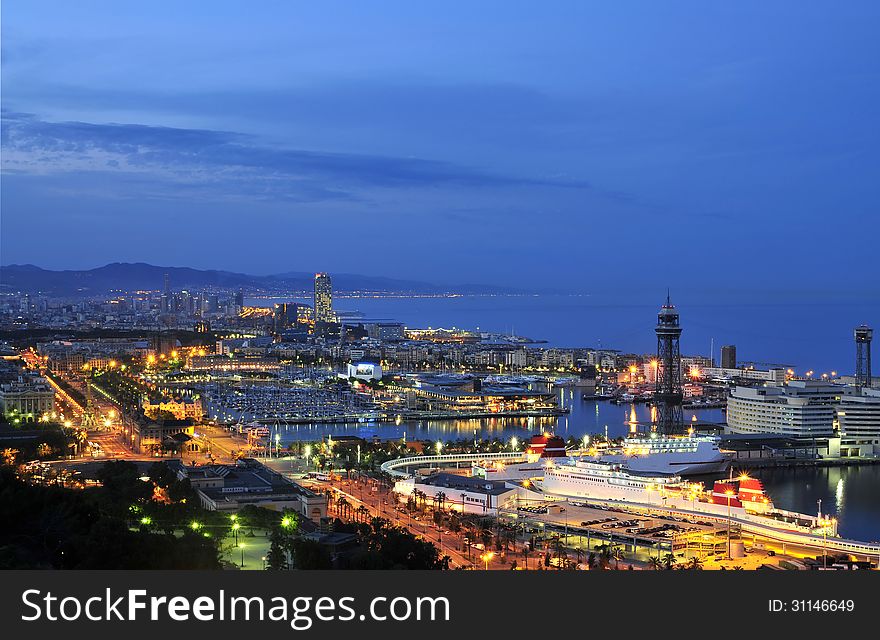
(256, 430)
(597, 396)
(742, 499)
(681, 455)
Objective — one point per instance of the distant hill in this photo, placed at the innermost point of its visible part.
(141, 276)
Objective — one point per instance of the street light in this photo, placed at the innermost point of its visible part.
(486, 557)
(825, 523)
(729, 494)
(241, 546)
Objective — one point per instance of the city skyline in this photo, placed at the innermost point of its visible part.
(660, 137)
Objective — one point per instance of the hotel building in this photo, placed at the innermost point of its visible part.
(807, 410)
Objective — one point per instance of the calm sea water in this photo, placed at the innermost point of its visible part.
(815, 335)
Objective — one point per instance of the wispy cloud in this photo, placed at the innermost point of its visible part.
(226, 163)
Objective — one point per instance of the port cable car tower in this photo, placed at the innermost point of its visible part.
(668, 393)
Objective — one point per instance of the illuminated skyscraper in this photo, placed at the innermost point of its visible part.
(323, 298)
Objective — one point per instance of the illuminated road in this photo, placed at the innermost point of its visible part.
(381, 504)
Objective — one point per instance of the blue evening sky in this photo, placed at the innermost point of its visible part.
(576, 145)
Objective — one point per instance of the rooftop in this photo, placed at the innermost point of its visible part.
(465, 483)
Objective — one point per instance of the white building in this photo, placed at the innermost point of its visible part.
(858, 421)
(516, 359)
(365, 371)
(458, 493)
(799, 409)
(776, 376)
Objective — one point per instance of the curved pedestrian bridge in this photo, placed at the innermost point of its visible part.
(404, 467)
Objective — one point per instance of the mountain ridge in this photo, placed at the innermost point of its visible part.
(134, 276)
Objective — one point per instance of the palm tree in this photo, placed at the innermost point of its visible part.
(9, 456)
(342, 506)
(364, 512)
(669, 560)
(418, 496)
(695, 564)
(616, 554)
(655, 563)
(485, 536)
(592, 561)
(604, 556)
(440, 497)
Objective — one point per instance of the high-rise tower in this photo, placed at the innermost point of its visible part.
(863, 335)
(667, 393)
(728, 356)
(323, 298)
(166, 297)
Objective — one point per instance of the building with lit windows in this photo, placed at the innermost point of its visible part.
(27, 398)
(157, 436)
(180, 409)
(799, 409)
(324, 298)
(858, 421)
(776, 376)
(810, 410)
(289, 314)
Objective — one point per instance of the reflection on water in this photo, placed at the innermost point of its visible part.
(585, 418)
(848, 493)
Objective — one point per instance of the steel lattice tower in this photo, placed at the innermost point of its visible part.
(863, 335)
(667, 393)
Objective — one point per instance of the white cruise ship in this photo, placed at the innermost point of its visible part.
(681, 455)
(742, 499)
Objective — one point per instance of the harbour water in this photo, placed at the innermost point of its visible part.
(848, 493)
(586, 417)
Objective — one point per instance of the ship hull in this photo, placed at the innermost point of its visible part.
(700, 468)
